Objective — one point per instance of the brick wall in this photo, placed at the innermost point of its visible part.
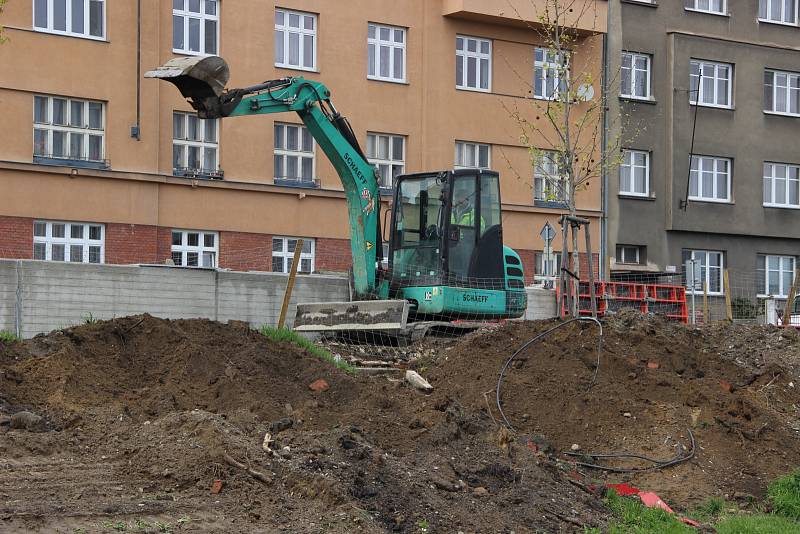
(332, 255)
(132, 243)
(244, 251)
(16, 237)
(163, 244)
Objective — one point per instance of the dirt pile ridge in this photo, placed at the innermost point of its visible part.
(141, 412)
(735, 387)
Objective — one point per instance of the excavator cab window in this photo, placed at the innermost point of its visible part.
(418, 228)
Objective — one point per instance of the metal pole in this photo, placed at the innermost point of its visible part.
(694, 286)
(287, 295)
(566, 305)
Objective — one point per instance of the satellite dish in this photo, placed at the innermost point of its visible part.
(585, 92)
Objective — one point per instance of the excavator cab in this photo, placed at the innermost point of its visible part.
(446, 252)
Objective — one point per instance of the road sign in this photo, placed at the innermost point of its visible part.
(548, 232)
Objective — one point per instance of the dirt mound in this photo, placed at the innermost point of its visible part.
(145, 414)
(656, 380)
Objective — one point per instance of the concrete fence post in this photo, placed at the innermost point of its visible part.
(18, 300)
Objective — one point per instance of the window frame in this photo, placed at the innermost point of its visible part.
(390, 160)
(286, 29)
(648, 71)
(715, 172)
(299, 153)
(631, 192)
(376, 42)
(68, 241)
(85, 131)
(620, 256)
(185, 14)
(773, 87)
(694, 97)
(475, 148)
(764, 289)
(709, 11)
(463, 55)
(287, 256)
(539, 264)
(787, 192)
(185, 249)
(780, 22)
(202, 144)
(706, 270)
(68, 21)
(546, 66)
(553, 157)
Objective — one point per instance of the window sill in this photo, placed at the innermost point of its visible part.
(707, 13)
(292, 67)
(387, 80)
(776, 23)
(640, 3)
(73, 35)
(190, 53)
(776, 297)
(295, 183)
(550, 204)
(75, 163)
(781, 114)
(782, 206)
(711, 201)
(713, 106)
(635, 100)
(630, 196)
(473, 90)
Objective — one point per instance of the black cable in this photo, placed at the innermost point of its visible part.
(691, 147)
(658, 464)
(533, 340)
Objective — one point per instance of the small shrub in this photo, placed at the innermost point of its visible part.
(8, 337)
(289, 336)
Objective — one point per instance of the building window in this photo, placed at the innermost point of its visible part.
(72, 242)
(473, 63)
(717, 7)
(547, 265)
(78, 18)
(634, 173)
(629, 254)
(550, 182)
(710, 270)
(191, 248)
(710, 83)
(775, 275)
(295, 40)
(386, 152)
(710, 179)
(635, 75)
(472, 155)
(781, 185)
(283, 254)
(195, 26)
(195, 145)
(782, 92)
(66, 128)
(778, 11)
(550, 73)
(386, 53)
(294, 155)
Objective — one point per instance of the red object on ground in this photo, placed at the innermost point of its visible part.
(653, 365)
(318, 385)
(216, 487)
(651, 500)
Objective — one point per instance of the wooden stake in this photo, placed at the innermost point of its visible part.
(287, 295)
(727, 288)
(565, 305)
(787, 313)
(592, 295)
(705, 303)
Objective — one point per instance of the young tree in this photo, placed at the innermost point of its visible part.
(564, 131)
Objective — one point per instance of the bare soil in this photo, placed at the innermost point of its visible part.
(140, 417)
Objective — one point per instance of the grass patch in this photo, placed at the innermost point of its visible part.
(784, 493)
(8, 337)
(289, 336)
(632, 517)
(709, 510)
(757, 524)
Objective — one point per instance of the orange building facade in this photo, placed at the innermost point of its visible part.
(98, 164)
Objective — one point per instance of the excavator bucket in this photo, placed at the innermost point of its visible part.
(387, 316)
(197, 78)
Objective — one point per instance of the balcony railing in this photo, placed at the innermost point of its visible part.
(201, 174)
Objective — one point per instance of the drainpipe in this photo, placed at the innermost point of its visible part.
(136, 131)
(604, 159)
